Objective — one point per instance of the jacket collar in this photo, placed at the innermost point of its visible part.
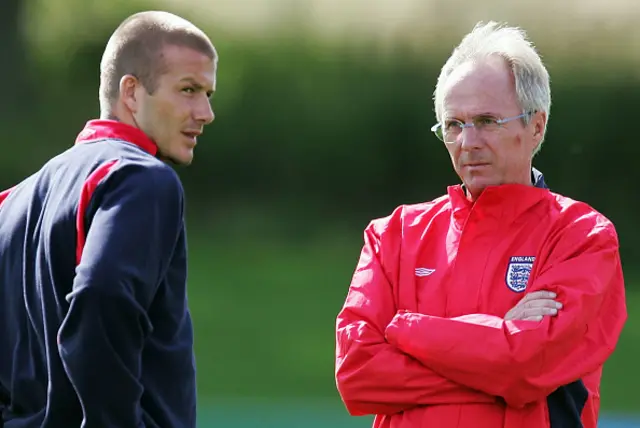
(538, 179)
(103, 129)
(505, 202)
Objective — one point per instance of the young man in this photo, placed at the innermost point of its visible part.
(95, 329)
(496, 305)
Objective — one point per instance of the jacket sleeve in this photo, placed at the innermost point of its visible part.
(136, 221)
(373, 377)
(524, 361)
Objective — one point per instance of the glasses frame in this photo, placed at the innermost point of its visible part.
(437, 129)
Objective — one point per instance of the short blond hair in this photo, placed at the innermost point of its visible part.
(135, 48)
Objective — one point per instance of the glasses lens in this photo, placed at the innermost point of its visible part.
(437, 129)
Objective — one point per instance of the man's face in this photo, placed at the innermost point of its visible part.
(480, 92)
(175, 114)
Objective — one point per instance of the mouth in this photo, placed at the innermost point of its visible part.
(475, 165)
(192, 135)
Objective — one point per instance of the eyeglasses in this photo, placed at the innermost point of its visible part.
(451, 128)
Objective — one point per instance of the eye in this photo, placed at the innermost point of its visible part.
(452, 125)
(189, 90)
(486, 121)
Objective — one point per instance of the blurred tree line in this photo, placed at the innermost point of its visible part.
(319, 133)
(14, 72)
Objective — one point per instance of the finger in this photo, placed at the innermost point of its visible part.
(543, 294)
(533, 296)
(535, 299)
(549, 311)
(517, 313)
(542, 303)
(533, 318)
(536, 312)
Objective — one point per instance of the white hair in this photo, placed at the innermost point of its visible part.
(531, 77)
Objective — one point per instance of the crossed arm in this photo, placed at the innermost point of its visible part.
(372, 375)
(388, 362)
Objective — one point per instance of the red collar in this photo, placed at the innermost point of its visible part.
(112, 129)
(505, 202)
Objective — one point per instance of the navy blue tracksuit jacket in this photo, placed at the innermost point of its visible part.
(94, 325)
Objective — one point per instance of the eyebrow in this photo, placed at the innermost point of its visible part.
(486, 114)
(197, 85)
(483, 114)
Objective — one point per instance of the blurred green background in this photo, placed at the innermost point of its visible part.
(323, 115)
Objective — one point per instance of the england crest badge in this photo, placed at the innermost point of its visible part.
(518, 273)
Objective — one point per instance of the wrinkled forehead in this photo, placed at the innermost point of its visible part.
(475, 88)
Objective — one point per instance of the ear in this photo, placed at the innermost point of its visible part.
(538, 124)
(128, 92)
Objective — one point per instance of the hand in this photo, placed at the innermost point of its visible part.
(534, 307)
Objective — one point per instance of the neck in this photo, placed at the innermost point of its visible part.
(472, 197)
(119, 116)
(527, 177)
(526, 181)
(109, 116)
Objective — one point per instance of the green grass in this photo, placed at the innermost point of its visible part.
(264, 312)
(621, 374)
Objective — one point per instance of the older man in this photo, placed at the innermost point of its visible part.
(497, 304)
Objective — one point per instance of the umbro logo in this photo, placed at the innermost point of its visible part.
(424, 271)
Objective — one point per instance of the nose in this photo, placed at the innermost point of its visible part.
(204, 112)
(470, 138)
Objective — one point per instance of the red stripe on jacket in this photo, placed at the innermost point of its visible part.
(88, 188)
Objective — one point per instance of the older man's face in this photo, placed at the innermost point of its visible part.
(483, 91)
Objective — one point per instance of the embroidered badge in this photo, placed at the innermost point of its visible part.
(518, 272)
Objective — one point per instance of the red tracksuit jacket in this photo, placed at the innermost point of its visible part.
(421, 340)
